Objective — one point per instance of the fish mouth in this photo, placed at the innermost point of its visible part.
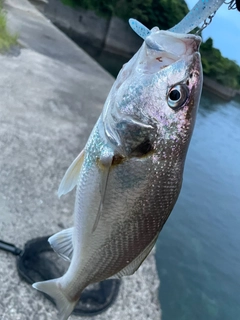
(163, 48)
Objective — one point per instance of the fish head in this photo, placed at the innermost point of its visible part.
(155, 98)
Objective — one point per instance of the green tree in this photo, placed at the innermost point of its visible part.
(162, 13)
(223, 70)
(6, 38)
(165, 14)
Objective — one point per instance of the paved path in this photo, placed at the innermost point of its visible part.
(51, 96)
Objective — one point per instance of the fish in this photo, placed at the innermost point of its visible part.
(129, 174)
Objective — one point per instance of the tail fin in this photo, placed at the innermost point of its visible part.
(51, 288)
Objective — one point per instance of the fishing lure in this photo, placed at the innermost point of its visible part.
(139, 28)
(204, 10)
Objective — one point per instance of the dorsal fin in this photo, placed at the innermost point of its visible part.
(70, 178)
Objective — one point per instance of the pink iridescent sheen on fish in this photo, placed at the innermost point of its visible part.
(129, 174)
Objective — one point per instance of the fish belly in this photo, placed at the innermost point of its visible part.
(138, 202)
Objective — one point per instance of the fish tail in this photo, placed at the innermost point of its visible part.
(52, 289)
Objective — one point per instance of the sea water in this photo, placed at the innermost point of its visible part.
(198, 250)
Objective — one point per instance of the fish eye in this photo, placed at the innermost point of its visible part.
(177, 96)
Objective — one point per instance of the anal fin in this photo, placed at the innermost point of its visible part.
(62, 243)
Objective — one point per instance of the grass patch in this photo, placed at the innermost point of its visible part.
(6, 38)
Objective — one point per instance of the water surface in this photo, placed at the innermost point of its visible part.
(198, 255)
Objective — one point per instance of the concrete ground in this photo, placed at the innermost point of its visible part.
(51, 96)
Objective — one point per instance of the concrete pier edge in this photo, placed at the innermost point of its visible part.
(51, 96)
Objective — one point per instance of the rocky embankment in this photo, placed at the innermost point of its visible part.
(51, 96)
(85, 27)
(113, 36)
(219, 90)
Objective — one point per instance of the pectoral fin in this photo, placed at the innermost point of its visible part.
(62, 243)
(70, 178)
(106, 162)
(132, 267)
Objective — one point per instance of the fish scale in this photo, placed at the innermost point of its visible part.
(129, 174)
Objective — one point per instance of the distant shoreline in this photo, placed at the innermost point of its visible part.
(219, 90)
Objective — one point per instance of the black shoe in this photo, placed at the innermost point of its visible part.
(37, 262)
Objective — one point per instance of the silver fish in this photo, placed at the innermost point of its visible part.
(129, 174)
